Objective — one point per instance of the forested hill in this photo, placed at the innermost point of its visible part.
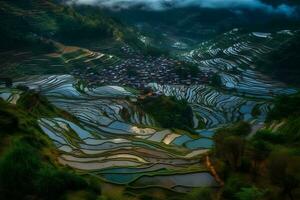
(283, 63)
(32, 22)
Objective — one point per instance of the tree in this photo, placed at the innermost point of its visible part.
(168, 111)
(216, 80)
(230, 146)
(284, 171)
(233, 186)
(233, 150)
(259, 151)
(285, 106)
(241, 128)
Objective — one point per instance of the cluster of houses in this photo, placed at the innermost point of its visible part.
(139, 70)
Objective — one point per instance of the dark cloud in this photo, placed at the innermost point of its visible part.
(167, 4)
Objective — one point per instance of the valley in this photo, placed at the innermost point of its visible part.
(136, 110)
(132, 149)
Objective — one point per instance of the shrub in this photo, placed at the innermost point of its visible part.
(241, 129)
(23, 174)
(230, 144)
(18, 169)
(216, 80)
(268, 136)
(202, 193)
(285, 106)
(284, 172)
(51, 183)
(9, 123)
(233, 186)
(95, 186)
(251, 193)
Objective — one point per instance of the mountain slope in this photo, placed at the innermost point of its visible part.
(28, 163)
(283, 63)
(31, 22)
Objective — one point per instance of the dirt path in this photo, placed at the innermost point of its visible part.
(213, 171)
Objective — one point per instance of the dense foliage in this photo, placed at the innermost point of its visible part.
(285, 106)
(283, 63)
(27, 160)
(186, 69)
(35, 22)
(22, 174)
(154, 51)
(287, 112)
(263, 166)
(168, 111)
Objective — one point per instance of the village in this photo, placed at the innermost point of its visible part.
(139, 70)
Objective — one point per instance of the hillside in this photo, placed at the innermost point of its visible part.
(48, 37)
(192, 25)
(283, 62)
(28, 160)
(111, 100)
(284, 119)
(87, 132)
(265, 164)
(34, 23)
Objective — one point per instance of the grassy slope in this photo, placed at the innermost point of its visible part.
(28, 165)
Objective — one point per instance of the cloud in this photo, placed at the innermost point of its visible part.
(167, 4)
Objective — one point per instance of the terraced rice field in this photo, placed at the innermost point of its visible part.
(215, 107)
(115, 140)
(67, 59)
(11, 96)
(242, 88)
(118, 150)
(232, 56)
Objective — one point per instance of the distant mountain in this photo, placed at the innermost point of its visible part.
(203, 23)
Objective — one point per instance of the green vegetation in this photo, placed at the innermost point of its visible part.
(265, 166)
(36, 23)
(285, 106)
(168, 111)
(216, 81)
(28, 160)
(287, 111)
(23, 173)
(28, 166)
(202, 193)
(186, 69)
(251, 193)
(230, 144)
(283, 63)
(154, 51)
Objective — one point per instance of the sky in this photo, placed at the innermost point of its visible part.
(167, 4)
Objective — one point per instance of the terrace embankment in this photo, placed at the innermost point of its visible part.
(121, 151)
